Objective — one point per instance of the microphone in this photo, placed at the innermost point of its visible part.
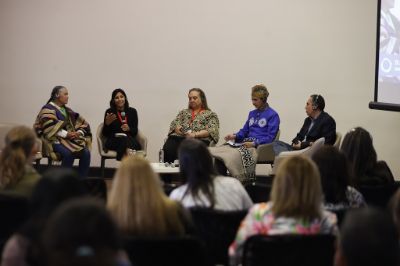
(123, 117)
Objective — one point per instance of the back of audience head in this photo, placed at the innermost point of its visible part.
(20, 146)
(394, 208)
(56, 186)
(334, 170)
(358, 147)
(81, 232)
(368, 237)
(197, 169)
(296, 190)
(138, 203)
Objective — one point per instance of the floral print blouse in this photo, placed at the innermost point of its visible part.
(205, 120)
(354, 200)
(261, 220)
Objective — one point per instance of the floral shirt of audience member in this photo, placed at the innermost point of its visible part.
(261, 221)
(354, 200)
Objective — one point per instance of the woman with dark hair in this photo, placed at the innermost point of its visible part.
(64, 131)
(364, 165)
(197, 121)
(202, 186)
(335, 178)
(82, 232)
(120, 125)
(17, 176)
(25, 246)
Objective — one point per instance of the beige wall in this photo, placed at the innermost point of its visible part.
(157, 50)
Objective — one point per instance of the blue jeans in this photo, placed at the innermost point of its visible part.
(280, 146)
(67, 158)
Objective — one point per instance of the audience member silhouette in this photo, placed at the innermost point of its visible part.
(295, 206)
(365, 168)
(17, 176)
(368, 237)
(82, 233)
(24, 248)
(138, 204)
(203, 188)
(335, 178)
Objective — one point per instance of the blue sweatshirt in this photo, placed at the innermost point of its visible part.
(261, 127)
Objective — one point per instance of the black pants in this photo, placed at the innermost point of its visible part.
(121, 144)
(220, 167)
(171, 147)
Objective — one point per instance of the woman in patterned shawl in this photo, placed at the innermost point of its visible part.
(65, 133)
(197, 121)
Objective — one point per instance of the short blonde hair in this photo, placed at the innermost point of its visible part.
(260, 91)
(138, 203)
(296, 190)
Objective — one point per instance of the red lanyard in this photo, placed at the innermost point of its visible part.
(195, 114)
(123, 121)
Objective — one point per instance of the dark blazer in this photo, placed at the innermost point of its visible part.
(115, 126)
(324, 126)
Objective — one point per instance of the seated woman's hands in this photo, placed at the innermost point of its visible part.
(230, 137)
(296, 145)
(178, 130)
(249, 144)
(110, 117)
(73, 135)
(125, 127)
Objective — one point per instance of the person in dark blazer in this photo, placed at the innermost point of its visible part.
(318, 124)
(120, 125)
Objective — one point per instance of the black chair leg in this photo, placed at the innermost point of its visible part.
(102, 166)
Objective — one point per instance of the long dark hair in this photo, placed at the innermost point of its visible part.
(113, 94)
(197, 170)
(334, 170)
(359, 149)
(55, 92)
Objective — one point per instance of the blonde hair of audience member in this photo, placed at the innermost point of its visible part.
(296, 190)
(19, 149)
(138, 203)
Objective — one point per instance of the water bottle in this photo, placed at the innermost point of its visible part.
(161, 156)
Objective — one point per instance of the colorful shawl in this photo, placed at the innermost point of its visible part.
(51, 119)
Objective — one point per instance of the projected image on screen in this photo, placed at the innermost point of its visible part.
(388, 80)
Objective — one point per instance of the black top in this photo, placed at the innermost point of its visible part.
(324, 126)
(115, 126)
(379, 175)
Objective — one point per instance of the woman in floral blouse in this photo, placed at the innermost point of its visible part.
(197, 121)
(295, 207)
